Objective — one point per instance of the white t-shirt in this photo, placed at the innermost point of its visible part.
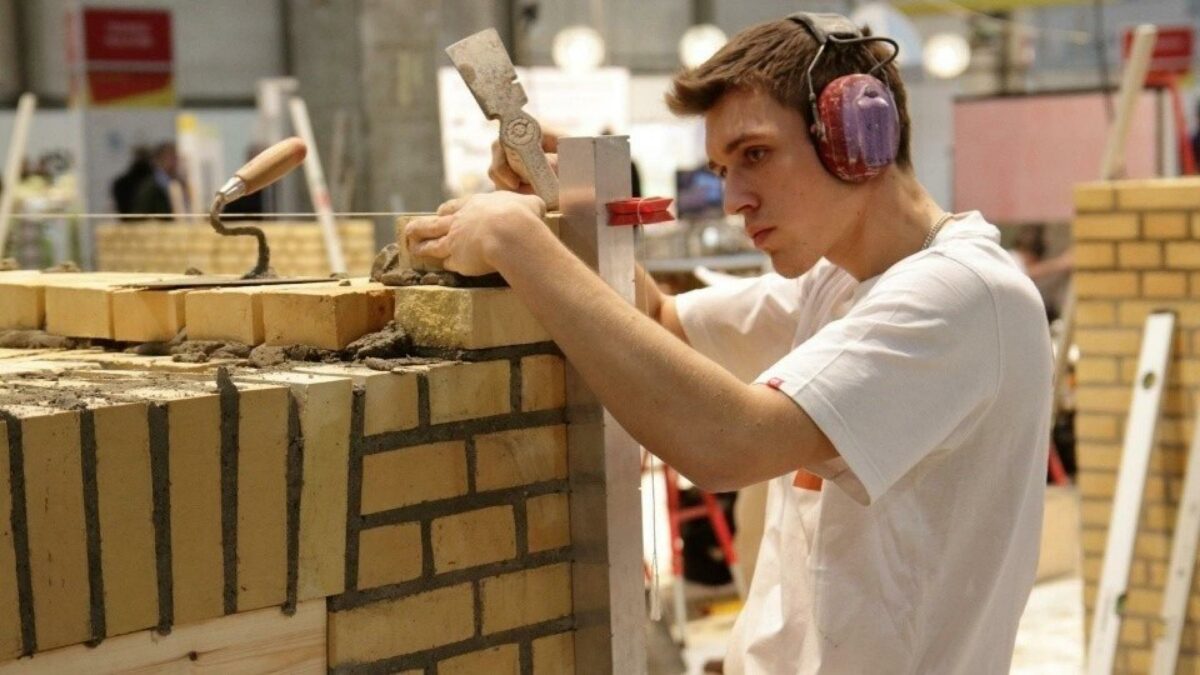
(933, 382)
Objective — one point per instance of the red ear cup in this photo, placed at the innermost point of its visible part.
(859, 125)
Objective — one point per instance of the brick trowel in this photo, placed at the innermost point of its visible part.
(262, 170)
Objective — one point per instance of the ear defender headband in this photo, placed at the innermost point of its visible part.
(856, 125)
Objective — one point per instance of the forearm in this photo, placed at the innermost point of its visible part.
(680, 405)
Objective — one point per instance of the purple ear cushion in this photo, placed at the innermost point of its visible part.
(862, 127)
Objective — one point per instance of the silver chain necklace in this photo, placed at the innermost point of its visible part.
(937, 227)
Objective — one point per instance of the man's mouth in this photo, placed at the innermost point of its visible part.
(760, 235)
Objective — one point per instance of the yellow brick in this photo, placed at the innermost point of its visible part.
(549, 522)
(474, 538)
(1099, 196)
(526, 597)
(329, 318)
(197, 566)
(262, 497)
(1139, 575)
(1164, 285)
(1188, 662)
(402, 626)
(79, 311)
(1101, 457)
(1133, 313)
(1098, 285)
(389, 554)
(1133, 632)
(543, 382)
(1142, 602)
(1099, 398)
(324, 409)
(1139, 255)
(1095, 313)
(1175, 402)
(1183, 255)
(1189, 371)
(1139, 659)
(1158, 516)
(519, 457)
(1152, 546)
(57, 543)
(1129, 371)
(1106, 226)
(1168, 460)
(1096, 427)
(390, 402)
(22, 300)
(1095, 255)
(554, 654)
(1095, 513)
(125, 498)
(1165, 225)
(1094, 484)
(466, 318)
(224, 314)
(10, 619)
(1158, 194)
(1096, 371)
(469, 390)
(412, 475)
(1093, 541)
(502, 660)
(147, 316)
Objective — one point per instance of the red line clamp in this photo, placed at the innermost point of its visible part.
(639, 211)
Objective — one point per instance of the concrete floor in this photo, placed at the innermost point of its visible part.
(1049, 639)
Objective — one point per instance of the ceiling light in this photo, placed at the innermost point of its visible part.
(699, 43)
(578, 48)
(946, 55)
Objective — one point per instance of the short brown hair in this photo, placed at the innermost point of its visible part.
(773, 57)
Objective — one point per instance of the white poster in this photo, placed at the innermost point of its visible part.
(571, 104)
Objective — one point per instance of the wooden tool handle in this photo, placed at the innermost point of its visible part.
(272, 164)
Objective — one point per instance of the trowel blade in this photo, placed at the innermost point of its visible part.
(221, 281)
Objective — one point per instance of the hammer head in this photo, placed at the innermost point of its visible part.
(489, 73)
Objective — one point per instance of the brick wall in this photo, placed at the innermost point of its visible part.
(429, 505)
(297, 249)
(1136, 251)
(474, 492)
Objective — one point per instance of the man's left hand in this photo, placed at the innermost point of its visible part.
(466, 232)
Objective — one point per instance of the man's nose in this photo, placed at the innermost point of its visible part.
(737, 198)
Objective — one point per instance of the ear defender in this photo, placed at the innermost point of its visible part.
(857, 125)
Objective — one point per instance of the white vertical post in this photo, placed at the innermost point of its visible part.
(1133, 80)
(1140, 432)
(317, 187)
(604, 460)
(12, 168)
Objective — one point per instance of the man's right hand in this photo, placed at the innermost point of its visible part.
(509, 173)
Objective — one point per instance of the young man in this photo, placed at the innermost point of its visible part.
(898, 354)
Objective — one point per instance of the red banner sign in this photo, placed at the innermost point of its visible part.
(127, 57)
(1172, 55)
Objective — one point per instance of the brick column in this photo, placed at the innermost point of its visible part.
(1135, 252)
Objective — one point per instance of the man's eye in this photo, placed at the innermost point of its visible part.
(754, 155)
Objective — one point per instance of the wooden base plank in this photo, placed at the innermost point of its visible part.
(262, 641)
